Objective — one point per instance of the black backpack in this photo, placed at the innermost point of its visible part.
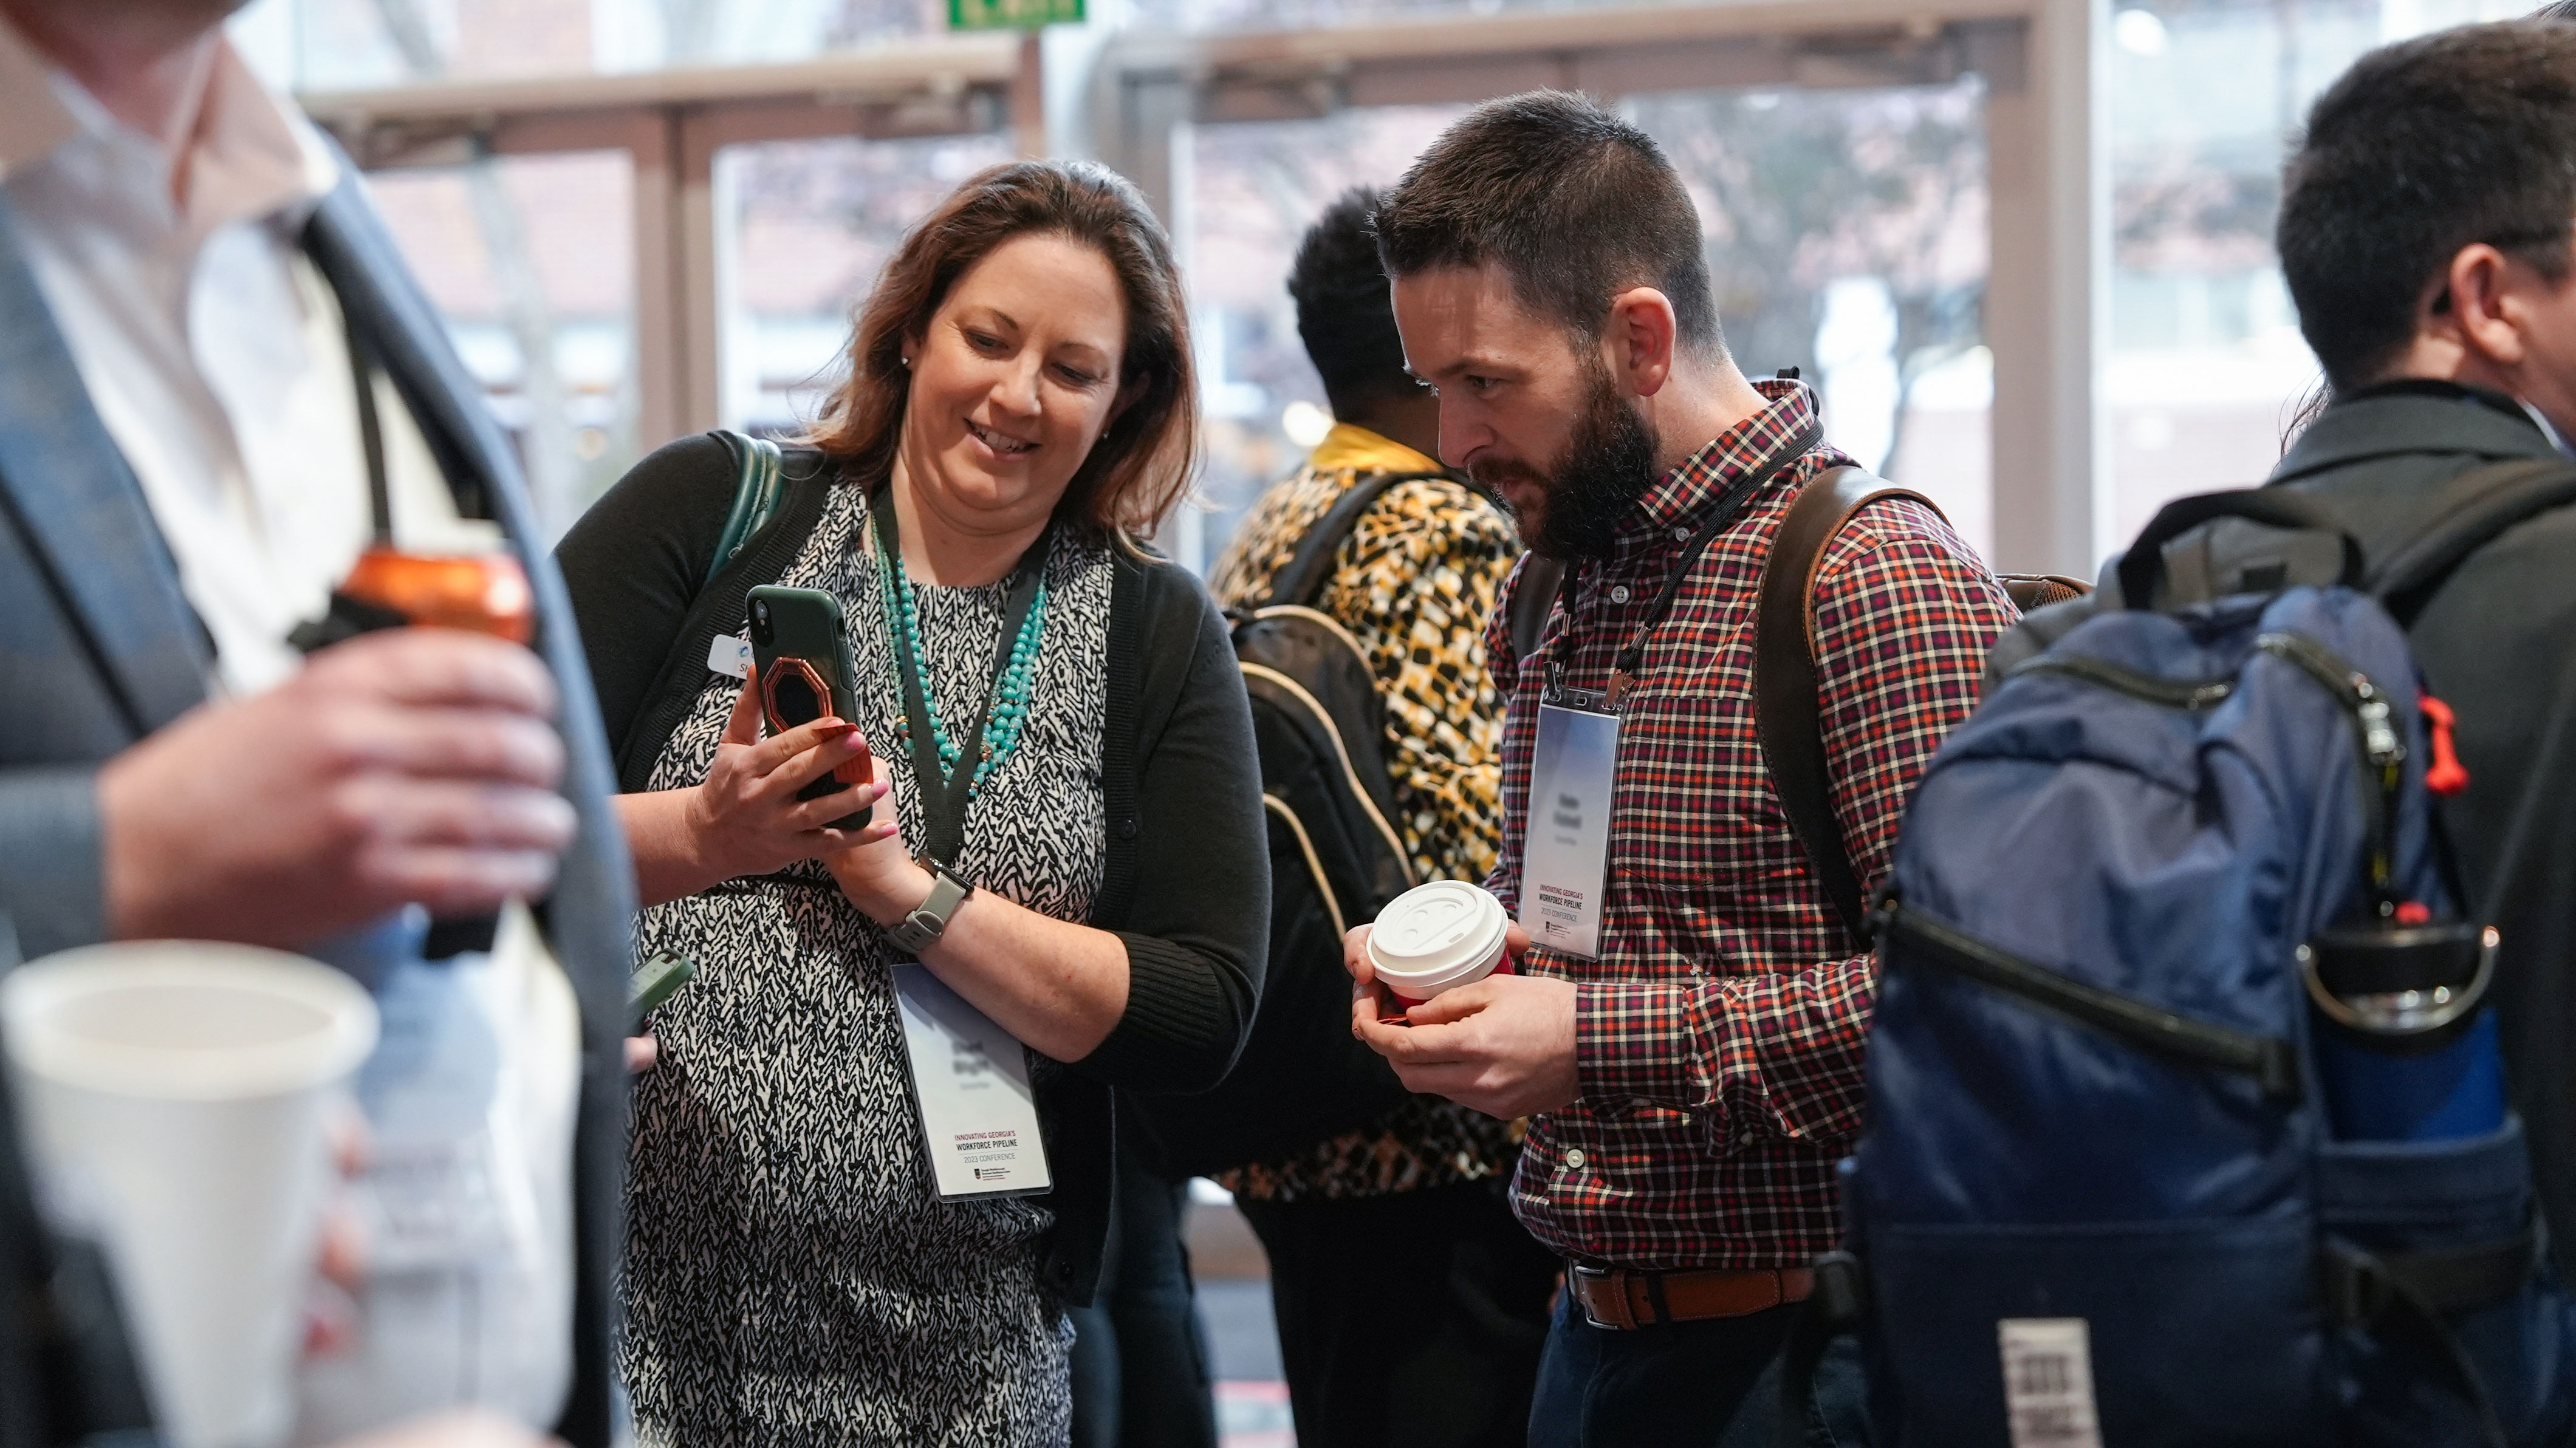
(1335, 860)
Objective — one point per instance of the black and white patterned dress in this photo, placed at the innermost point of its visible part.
(790, 1276)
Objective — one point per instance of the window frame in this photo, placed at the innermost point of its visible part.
(1131, 98)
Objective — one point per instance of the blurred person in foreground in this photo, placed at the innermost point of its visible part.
(184, 478)
(1693, 1077)
(1437, 1343)
(1019, 409)
(2428, 236)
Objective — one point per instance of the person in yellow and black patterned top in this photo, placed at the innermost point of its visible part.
(1411, 1305)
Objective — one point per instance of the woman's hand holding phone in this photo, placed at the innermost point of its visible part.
(746, 819)
(875, 871)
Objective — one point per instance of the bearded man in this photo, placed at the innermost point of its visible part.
(1686, 1036)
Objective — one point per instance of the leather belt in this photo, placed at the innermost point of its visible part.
(1624, 1299)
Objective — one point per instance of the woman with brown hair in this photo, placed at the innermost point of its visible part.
(1019, 409)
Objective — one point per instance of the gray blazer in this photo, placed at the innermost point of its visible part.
(99, 648)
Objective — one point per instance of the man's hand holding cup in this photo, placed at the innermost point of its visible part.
(414, 764)
(1437, 994)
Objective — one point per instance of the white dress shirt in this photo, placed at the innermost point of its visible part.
(211, 345)
(212, 348)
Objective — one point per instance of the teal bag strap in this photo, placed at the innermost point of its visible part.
(755, 496)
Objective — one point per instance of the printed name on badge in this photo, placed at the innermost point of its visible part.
(1565, 856)
(979, 1116)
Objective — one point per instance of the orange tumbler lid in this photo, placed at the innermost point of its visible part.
(484, 593)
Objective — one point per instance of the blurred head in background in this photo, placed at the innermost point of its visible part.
(2428, 216)
(1549, 281)
(1348, 325)
(1026, 354)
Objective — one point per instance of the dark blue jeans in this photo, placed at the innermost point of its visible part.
(1711, 1384)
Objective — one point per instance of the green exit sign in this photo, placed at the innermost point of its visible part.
(1012, 14)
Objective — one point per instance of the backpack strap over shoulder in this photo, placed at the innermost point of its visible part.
(1533, 600)
(1788, 710)
(757, 487)
(777, 511)
(2465, 514)
(1302, 581)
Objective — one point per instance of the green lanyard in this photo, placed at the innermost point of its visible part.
(944, 796)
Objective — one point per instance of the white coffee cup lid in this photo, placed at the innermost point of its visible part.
(1433, 932)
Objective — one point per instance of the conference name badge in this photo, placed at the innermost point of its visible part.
(730, 657)
(979, 1116)
(1565, 856)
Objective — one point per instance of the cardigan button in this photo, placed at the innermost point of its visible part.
(1127, 828)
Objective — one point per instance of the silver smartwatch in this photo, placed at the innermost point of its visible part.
(928, 921)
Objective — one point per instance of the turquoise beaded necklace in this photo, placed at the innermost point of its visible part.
(1010, 708)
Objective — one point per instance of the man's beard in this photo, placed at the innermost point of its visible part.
(1609, 464)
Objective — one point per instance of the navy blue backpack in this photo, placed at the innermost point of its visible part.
(2186, 1126)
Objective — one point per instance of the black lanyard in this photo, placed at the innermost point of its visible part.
(347, 617)
(944, 796)
(371, 431)
(1623, 667)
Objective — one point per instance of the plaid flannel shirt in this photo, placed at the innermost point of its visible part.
(1719, 1035)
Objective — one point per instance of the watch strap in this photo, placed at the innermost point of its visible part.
(919, 930)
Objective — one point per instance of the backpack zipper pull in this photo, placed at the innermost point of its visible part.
(2447, 775)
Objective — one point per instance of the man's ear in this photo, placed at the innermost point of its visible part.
(2483, 306)
(1638, 343)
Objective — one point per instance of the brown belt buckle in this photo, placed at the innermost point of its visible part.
(1604, 1281)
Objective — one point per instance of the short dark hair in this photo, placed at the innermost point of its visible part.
(1342, 309)
(2422, 148)
(1575, 205)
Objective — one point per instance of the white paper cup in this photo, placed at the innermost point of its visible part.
(1437, 937)
(175, 1099)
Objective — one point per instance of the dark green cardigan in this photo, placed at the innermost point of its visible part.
(1185, 876)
